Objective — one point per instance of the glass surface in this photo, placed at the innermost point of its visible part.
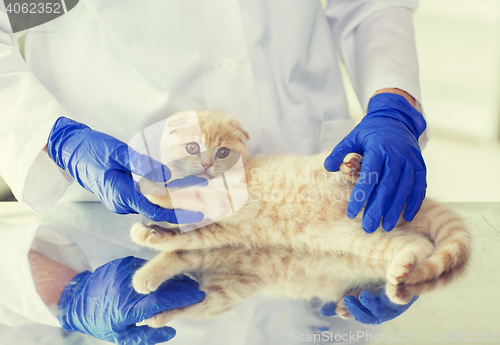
(467, 309)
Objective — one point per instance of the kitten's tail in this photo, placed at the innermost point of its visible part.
(452, 241)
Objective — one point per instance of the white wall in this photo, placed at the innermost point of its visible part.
(459, 44)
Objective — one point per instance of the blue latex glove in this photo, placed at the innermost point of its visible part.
(369, 309)
(105, 305)
(188, 181)
(393, 172)
(103, 165)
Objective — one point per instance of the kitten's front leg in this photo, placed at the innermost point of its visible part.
(212, 200)
(159, 238)
(171, 239)
(155, 193)
(163, 267)
(223, 291)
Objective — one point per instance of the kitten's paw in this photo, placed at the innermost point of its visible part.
(341, 310)
(160, 320)
(145, 281)
(351, 167)
(148, 187)
(405, 266)
(150, 234)
(398, 294)
(399, 271)
(141, 233)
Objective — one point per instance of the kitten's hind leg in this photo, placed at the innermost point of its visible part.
(398, 294)
(413, 253)
(341, 310)
(223, 291)
(402, 294)
(351, 167)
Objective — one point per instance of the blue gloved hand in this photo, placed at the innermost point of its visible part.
(393, 172)
(369, 308)
(188, 181)
(105, 305)
(103, 165)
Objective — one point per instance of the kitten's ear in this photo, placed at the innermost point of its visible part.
(179, 116)
(177, 120)
(244, 134)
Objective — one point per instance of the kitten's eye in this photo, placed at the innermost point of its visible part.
(193, 148)
(222, 153)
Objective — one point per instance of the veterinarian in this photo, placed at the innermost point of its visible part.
(101, 73)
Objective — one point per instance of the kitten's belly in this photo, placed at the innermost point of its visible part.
(326, 287)
(326, 276)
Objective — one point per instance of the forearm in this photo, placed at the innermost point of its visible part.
(405, 94)
(50, 277)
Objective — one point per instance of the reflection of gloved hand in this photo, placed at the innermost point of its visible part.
(105, 305)
(103, 165)
(369, 308)
(387, 137)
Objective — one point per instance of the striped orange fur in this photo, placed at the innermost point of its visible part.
(296, 206)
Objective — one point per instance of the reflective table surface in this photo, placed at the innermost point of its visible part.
(466, 311)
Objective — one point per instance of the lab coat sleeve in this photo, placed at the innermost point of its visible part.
(27, 114)
(375, 40)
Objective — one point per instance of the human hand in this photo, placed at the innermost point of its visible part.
(103, 165)
(188, 181)
(393, 173)
(105, 305)
(369, 308)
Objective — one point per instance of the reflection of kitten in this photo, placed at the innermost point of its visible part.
(232, 274)
(295, 204)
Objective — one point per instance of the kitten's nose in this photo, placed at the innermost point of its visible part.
(206, 162)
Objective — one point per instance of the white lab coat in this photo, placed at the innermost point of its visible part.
(119, 66)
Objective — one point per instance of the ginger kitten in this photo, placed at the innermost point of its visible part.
(273, 217)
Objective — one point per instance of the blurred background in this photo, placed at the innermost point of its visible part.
(459, 50)
(458, 43)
